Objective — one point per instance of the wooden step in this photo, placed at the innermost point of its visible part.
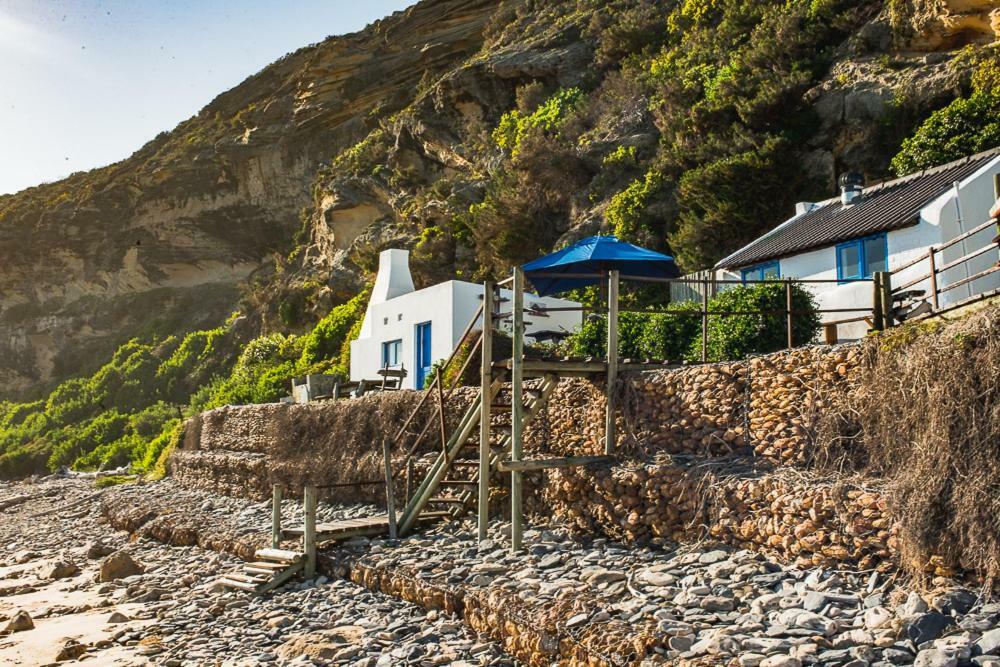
(267, 565)
(434, 515)
(260, 571)
(247, 578)
(279, 555)
(453, 501)
(460, 482)
(242, 585)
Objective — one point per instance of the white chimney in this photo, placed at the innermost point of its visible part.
(393, 275)
(393, 280)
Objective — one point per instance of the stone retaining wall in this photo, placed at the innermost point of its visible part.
(807, 520)
(768, 404)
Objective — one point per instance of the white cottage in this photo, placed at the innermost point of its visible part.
(412, 329)
(882, 228)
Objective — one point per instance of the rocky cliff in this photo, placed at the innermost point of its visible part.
(281, 191)
(162, 242)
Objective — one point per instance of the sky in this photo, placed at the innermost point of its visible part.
(84, 83)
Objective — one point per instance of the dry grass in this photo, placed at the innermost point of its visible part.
(924, 416)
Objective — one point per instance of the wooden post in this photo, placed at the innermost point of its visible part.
(275, 516)
(704, 320)
(309, 530)
(440, 394)
(933, 277)
(390, 500)
(878, 320)
(409, 479)
(788, 312)
(830, 333)
(485, 381)
(890, 321)
(517, 407)
(612, 375)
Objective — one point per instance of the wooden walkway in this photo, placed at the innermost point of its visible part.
(363, 527)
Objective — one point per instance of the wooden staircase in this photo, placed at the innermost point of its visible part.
(450, 486)
(272, 568)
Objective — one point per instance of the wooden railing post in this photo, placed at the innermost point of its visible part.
(612, 374)
(309, 530)
(887, 299)
(878, 319)
(704, 320)
(485, 382)
(409, 480)
(517, 407)
(933, 278)
(275, 516)
(390, 500)
(788, 312)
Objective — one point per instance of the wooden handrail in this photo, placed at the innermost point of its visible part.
(967, 257)
(437, 377)
(975, 276)
(948, 244)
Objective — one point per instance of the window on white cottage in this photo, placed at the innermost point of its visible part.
(391, 353)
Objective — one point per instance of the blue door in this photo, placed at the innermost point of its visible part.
(424, 361)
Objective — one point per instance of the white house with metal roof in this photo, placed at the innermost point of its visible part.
(409, 329)
(883, 228)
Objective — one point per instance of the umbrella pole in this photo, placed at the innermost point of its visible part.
(609, 416)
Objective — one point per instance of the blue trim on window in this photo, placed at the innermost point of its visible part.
(847, 273)
(756, 272)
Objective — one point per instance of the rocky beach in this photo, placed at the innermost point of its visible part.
(75, 588)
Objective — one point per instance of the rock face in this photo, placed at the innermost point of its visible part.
(163, 240)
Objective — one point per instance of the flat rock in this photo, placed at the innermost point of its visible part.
(933, 657)
(59, 569)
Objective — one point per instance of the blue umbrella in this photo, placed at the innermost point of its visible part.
(587, 261)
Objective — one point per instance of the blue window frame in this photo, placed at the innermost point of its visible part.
(861, 258)
(765, 271)
(391, 352)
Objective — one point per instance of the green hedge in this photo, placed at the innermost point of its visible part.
(677, 335)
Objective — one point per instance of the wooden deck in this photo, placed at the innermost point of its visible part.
(363, 527)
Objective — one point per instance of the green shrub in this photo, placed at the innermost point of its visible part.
(626, 212)
(965, 127)
(670, 336)
(514, 125)
(326, 340)
(738, 336)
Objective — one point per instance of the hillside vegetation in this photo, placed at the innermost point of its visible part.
(478, 134)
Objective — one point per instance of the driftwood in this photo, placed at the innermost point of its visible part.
(15, 500)
(75, 503)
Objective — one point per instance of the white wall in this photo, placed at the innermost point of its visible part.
(449, 307)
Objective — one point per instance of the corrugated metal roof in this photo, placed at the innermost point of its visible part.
(883, 207)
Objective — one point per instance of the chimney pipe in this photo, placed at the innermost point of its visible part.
(851, 186)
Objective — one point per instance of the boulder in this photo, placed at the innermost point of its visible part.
(98, 549)
(926, 627)
(118, 566)
(59, 569)
(20, 622)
